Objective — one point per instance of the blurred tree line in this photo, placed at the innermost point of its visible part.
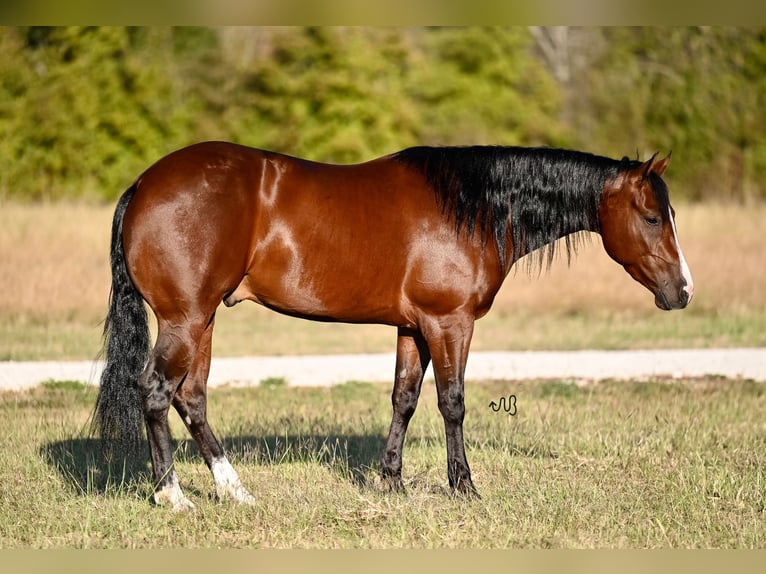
(84, 110)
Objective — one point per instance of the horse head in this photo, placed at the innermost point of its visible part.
(638, 229)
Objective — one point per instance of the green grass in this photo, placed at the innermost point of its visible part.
(605, 465)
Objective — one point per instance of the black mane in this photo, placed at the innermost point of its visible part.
(548, 193)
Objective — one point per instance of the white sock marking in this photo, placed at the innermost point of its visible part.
(172, 494)
(227, 482)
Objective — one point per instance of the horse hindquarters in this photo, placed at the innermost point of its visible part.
(185, 246)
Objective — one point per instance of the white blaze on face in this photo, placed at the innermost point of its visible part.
(685, 272)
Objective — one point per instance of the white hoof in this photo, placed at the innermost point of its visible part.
(183, 505)
(172, 495)
(227, 483)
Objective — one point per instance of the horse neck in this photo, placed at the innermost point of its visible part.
(531, 196)
(563, 208)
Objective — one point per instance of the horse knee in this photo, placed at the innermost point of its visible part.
(405, 410)
(452, 405)
(405, 396)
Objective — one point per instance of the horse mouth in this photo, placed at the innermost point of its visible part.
(679, 302)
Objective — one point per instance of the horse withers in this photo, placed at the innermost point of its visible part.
(420, 240)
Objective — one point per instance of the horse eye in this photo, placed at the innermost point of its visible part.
(652, 220)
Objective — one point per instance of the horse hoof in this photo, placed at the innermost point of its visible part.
(466, 489)
(228, 484)
(393, 484)
(239, 495)
(183, 505)
(177, 501)
(172, 495)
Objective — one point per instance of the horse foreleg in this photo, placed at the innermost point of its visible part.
(191, 403)
(412, 358)
(449, 340)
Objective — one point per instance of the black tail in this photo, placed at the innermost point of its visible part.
(118, 418)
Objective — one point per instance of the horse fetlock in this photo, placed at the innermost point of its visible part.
(467, 489)
(462, 484)
(460, 478)
(391, 472)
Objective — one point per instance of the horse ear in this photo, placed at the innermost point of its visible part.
(655, 165)
(661, 165)
(648, 166)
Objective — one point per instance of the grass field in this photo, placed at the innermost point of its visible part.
(54, 286)
(604, 465)
(607, 465)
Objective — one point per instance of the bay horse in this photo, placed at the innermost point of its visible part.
(420, 240)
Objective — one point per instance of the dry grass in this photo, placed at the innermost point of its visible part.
(54, 285)
(54, 260)
(725, 246)
(659, 464)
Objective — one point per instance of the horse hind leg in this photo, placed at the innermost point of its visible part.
(177, 374)
(167, 367)
(190, 401)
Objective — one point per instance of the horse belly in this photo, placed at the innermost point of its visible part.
(342, 285)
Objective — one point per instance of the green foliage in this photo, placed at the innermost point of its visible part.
(697, 91)
(83, 110)
(481, 86)
(329, 94)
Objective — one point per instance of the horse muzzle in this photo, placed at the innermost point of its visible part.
(669, 299)
(672, 290)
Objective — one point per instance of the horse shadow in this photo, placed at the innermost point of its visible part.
(91, 466)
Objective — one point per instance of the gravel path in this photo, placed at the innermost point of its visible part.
(333, 369)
